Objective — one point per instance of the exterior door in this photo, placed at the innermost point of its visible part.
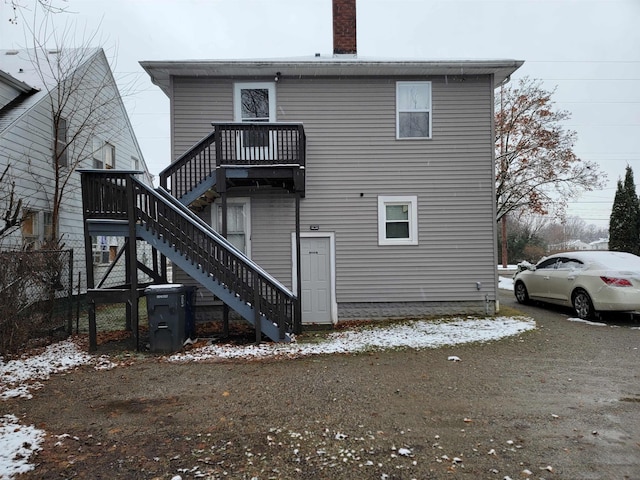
(255, 102)
(315, 259)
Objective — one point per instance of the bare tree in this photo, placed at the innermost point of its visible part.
(536, 168)
(84, 102)
(10, 204)
(48, 6)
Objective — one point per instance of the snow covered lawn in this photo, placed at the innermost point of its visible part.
(19, 377)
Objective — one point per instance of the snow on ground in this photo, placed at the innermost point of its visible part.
(17, 443)
(417, 334)
(595, 324)
(18, 377)
(505, 283)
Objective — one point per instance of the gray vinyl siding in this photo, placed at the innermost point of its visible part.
(196, 104)
(352, 157)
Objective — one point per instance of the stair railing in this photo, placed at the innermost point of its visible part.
(235, 144)
(211, 253)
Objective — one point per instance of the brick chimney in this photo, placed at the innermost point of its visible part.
(344, 27)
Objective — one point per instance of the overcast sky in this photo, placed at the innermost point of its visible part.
(588, 49)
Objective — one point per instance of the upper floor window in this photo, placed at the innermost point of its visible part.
(61, 157)
(104, 154)
(413, 109)
(109, 156)
(397, 220)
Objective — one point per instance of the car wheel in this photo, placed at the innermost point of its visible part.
(582, 305)
(522, 296)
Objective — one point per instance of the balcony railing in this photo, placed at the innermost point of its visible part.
(236, 145)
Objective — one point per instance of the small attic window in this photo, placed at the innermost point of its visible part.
(11, 52)
(53, 52)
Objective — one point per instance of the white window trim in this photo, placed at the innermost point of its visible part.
(246, 202)
(238, 87)
(429, 110)
(412, 202)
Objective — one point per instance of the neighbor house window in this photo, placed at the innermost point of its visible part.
(30, 229)
(61, 157)
(100, 249)
(398, 220)
(413, 109)
(97, 154)
(104, 154)
(109, 156)
(49, 233)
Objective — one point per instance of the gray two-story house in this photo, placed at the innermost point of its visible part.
(395, 182)
(325, 188)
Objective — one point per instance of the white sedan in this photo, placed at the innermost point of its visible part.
(588, 281)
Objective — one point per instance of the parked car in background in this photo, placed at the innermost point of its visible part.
(589, 281)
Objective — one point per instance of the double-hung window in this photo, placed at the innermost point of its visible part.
(238, 223)
(101, 254)
(413, 110)
(30, 229)
(397, 220)
(104, 154)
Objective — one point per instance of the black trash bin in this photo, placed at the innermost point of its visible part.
(167, 311)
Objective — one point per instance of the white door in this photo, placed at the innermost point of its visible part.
(315, 259)
(255, 102)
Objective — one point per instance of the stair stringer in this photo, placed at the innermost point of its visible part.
(245, 310)
(199, 190)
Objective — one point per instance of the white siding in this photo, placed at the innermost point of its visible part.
(7, 93)
(28, 146)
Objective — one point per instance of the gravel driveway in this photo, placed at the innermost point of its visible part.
(559, 402)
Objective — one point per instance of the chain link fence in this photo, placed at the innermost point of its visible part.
(36, 297)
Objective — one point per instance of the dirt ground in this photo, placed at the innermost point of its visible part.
(559, 402)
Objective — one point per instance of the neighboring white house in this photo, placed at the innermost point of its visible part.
(575, 245)
(29, 96)
(570, 245)
(601, 244)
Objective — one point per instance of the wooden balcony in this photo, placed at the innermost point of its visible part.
(240, 155)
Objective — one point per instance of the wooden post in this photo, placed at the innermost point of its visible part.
(225, 307)
(297, 325)
(132, 263)
(256, 308)
(88, 253)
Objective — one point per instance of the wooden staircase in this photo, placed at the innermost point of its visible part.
(116, 203)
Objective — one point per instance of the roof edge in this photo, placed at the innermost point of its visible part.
(161, 71)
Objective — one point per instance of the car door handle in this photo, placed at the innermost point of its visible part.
(571, 277)
(546, 278)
